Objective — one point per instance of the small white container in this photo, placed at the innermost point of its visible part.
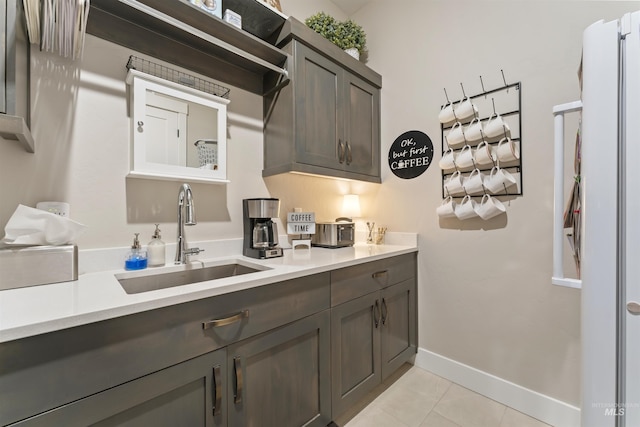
(233, 18)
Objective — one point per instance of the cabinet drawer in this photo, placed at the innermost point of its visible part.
(43, 372)
(352, 282)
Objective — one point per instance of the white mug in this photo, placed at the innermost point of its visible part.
(448, 160)
(455, 137)
(499, 180)
(489, 207)
(496, 127)
(465, 157)
(465, 109)
(446, 113)
(474, 183)
(485, 154)
(454, 184)
(447, 208)
(467, 208)
(508, 150)
(474, 131)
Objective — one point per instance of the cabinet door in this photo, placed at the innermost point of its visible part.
(355, 350)
(281, 378)
(362, 126)
(188, 394)
(318, 121)
(398, 325)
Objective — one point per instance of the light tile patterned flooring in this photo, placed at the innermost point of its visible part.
(421, 399)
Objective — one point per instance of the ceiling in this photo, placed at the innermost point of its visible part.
(350, 6)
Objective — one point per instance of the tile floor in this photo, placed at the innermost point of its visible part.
(421, 399)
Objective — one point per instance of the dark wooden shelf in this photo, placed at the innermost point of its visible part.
(125, 25)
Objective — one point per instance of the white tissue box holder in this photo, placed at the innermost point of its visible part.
(37, 265)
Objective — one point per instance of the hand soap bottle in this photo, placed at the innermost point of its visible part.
(137, 258)
(156, 249)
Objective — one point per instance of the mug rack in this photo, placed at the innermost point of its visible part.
(506, 101)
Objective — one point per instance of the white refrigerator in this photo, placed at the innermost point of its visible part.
(610, 247)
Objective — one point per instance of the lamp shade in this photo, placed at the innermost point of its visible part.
(351, 206)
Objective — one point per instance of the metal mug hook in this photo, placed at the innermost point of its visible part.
(503, 79)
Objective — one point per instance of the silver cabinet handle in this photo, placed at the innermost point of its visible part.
(376, 314)
(633, 307)
(340, 151)
(217, 391)
(379, 274)
(226, 320)
(237, 365)
(349, 157)
(384, 311)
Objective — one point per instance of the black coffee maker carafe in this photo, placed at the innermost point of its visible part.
(260, 231)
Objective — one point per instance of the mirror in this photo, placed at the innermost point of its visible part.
(178, 132)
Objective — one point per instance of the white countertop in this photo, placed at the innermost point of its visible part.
(97, 296)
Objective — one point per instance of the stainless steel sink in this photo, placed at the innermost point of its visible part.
(135, 283)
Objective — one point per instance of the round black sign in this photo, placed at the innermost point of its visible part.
(410, 154)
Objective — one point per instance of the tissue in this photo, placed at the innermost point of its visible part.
(29, 226)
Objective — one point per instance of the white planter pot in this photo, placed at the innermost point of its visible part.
(353, 52)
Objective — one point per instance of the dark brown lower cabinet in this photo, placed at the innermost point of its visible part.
(371, 337)
(310, 348)
(398, 329)
(282, 378)
(355, 350)
(188, 394)
(279, 378)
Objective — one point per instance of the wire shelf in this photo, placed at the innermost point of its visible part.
(176, 76)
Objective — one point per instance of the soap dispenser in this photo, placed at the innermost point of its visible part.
(137, 258)
(156, 249)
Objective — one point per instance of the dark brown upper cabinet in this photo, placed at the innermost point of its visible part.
(326, 121)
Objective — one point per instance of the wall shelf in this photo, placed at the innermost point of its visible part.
(184, 35)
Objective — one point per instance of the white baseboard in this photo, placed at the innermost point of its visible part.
(532, 403)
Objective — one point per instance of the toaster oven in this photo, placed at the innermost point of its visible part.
(336, 234)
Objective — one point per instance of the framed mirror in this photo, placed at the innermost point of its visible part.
(178, 133)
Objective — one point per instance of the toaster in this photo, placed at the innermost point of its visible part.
(338, 234)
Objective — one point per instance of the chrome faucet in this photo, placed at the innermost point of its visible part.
(185, 202)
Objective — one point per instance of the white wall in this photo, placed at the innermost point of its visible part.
(81, 127)
(485, 297)
(485, 294)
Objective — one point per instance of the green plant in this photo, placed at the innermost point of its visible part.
(323, 24)
(350, 35)
(345, 34)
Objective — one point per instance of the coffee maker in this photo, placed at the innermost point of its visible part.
(260, 232)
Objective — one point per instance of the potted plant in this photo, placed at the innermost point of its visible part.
(323, 24)
(351, 37)
(347, 35)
